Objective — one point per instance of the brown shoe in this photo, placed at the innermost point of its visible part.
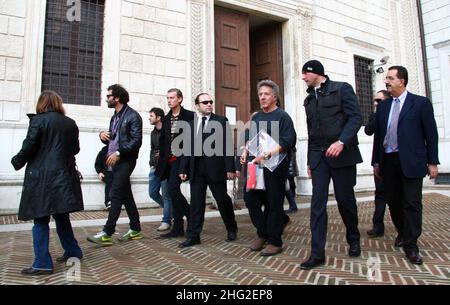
(271, 250)
(257, 244)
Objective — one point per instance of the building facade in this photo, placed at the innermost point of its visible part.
(436, 21)
(223, 47)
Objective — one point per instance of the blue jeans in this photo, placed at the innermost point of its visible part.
(163, 201)
(43, 260)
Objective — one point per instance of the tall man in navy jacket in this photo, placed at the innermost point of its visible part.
(334, 119)
(405, 151)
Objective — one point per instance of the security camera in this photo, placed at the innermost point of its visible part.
(384, 60)
(380, 70)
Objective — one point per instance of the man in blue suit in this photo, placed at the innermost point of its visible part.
(405, 151)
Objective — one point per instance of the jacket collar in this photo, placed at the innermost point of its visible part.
(323, 87)
(180, 116)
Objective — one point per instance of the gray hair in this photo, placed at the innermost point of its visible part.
(270, 84)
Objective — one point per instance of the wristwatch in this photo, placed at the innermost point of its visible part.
(118, 153)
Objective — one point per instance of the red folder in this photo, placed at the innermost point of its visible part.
(251, 176)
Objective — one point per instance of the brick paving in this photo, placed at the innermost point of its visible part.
(159, 262)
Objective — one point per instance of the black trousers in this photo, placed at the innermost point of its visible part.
(180, 206)
(270, 222)
(380, 207)
(108, 182)
(404, 197)
(344, 180)
(290, 194)
(121, 193)
(198, 201)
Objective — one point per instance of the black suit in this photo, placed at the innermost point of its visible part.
(403, 171)
(333, 114)
(169, 170)
(209, 169)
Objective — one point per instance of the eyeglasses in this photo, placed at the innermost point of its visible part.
(109, 95)
(206, 102)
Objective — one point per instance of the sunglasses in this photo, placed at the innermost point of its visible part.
(109, 95)
(206, 102)
(377, 100)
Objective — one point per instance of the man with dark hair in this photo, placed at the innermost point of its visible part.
(155, 184)
(380, 203)
(124, 139)
(168, 166)
(209, 165)
(334, 119)
(405, 151)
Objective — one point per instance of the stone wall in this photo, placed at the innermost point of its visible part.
(436, 17)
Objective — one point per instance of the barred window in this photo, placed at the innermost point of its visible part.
(73, 50)
(364, 85)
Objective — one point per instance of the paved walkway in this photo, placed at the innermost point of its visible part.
(156, 261)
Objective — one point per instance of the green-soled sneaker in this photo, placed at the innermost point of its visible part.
(131, 235)
(101, 238)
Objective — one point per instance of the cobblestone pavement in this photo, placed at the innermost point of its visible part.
(156, 261)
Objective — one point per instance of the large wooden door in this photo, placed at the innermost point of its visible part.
(266, 60)
(232, 47)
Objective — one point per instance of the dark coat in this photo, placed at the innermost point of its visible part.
(51, 184)
(100, 161)
(165, 140)
(218, 165)
(130, 133)
(154, 146)
(334, 116)
(417, 135)
(293, 166)
(369, 129)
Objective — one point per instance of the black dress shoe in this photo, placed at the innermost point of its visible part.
(231, 236)
(291, 211)
(374, 234)
(189, 242)
(172, 234)
(354, 250)
(63, 259)
(414, 257)
(399, 242)
(32, 271)
(312, 263)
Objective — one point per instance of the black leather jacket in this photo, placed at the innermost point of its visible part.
(154, 146)
(130, 133)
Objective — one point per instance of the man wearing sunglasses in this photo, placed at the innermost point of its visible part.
(124, 139)
(380, 203)
(210, 163)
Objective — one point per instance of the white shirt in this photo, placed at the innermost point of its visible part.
(401, 100)
(199, 123)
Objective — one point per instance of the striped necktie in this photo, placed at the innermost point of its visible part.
(390, 141)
